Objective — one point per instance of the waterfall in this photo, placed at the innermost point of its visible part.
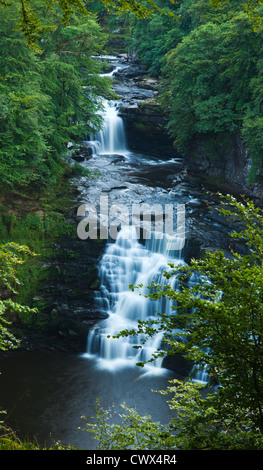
(127, 262)
(200, 374)
(111, 138)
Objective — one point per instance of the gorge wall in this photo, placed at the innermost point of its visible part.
(226, 170)
(222, 166)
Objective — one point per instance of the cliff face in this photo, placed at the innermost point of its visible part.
(140, 110)
(221, 163)
(145, 127)
(139, 99)
(227, 170)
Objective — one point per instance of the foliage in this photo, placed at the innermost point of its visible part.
(30, 21)
(154, 37)
(11, 256)
(31, 26)
(209, 61)
(133, 432)
(48, 100)
(209, 74)
(252, 124)
(220, 320)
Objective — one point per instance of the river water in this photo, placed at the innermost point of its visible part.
(47, 392)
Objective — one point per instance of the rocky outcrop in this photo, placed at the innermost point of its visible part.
(139, 104)
(224, 167)
(227, 169)
(144, 118)
(131, 71)
(68, 296)
(140, 109)
(145, 126)
(80, 152)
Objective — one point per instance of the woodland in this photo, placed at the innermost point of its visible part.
(207, 58)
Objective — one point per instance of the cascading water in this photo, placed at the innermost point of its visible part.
(111, 138)
(127, 262)
(200, 374)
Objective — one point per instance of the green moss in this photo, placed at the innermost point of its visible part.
(139, 126)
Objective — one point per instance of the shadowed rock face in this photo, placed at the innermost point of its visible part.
(140, 110)
(226, 170)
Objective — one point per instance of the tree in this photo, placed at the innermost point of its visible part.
(30, 22)
(249, 6)
(153, 37)
(253, 125)
(208, 58)
(221, 322)
(207, 78)
(11, 256)
(133, 432)
(46, 100)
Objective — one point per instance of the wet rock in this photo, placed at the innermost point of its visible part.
(226, 170)
(178, 364)
(132, 95)
(147, 83)
(78, 158)
(82, 153)
(118, 159)
(131, 71)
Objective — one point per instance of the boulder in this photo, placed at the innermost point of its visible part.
(78, 158)
(147, 83)
(131, 71)
(83, 152)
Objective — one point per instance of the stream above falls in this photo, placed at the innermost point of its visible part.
(47, 390)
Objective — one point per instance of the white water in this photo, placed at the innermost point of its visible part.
(127, 262)
(110, 74)
(200, 375)
(111, 139)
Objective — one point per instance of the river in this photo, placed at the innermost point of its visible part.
(46, 392)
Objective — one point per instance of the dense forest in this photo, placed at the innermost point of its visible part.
(47, 99)
(210, 63)
(214, 52)
(207, 58)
